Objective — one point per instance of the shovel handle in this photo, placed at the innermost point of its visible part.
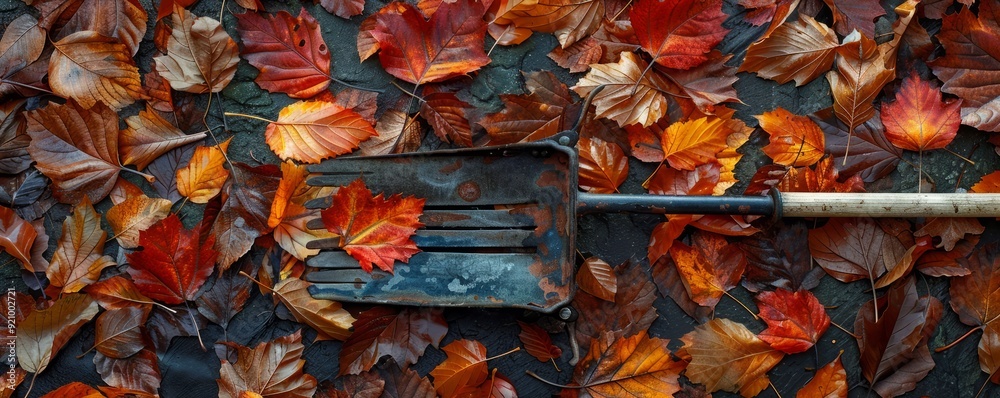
(801, 204)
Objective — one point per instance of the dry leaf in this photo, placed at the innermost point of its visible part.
(801, 50)
(603, 165)
(136, 214)
(795, 320)
(327, 317)
(598, 279)
(271, 369)
(859, 78)
(174, 262)
(201, 57)
(89, 68)
(919, 119)
(312, 131)
(79, 257)
(289, 52)
(678, 34)
(830, 381)
(725, 355)
(202, 178)
(638, 365)
(16, 237)
(794, 140)
(538, 343)
(629, 96)
(149, 136)
(401, 334)
(465, 366)
(43, 333)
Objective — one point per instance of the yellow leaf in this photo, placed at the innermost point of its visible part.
(204, 175)
(312, 131)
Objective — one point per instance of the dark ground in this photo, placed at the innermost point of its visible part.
(189, 372)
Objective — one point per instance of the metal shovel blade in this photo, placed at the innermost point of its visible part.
(499, 231)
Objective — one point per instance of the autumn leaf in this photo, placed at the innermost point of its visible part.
(228, 294)
(173, 263)
(397, 133)
(289, 215)
(631, 312)
(22, 43)
(404, 382)
(14, 139)
(568, 20)
(538, 343)
(201, 57)
(77, 148)
(709, 267)
(117, 292)
(725, 355)
(74, 389)
(865, 152)
(289, 52)
(446, 114)
(419, 51)
(860, 15)
(636, 365)
(893, 332)
(975, 298)
(89, 67)
(43, 333)
(598, 279)
(79, 257)
(629, 96)
(668, 181)
(687, 145)
(795, 320)
(118, 332)
(678, 33)
(246, 205)
(496, 386)
(312, 131)
(793, 140)
(800, 50)
(136, 214)
(578, 57)
(327, 317)
(989, 183)
(779, 257)
(536, 115)
(949, 230)
(918, 119)
(163, 326)
(970, 64)
(402, 334)
(464, 366)
(374, 229)
(851, 249)
(149, 136)
(706, 85)
(124, 20)
(860, 76)
(16, 237)
(204, 175)
(830, 381)
(271, 369)
(823, 177)
(138, 374)
(343, 8)
(603, 165)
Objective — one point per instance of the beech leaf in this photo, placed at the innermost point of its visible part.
(89, 68)
(16, 237)
(725, 355)
(638, 365)
(271, 369)
(464, 366)
(312, 131)
(800, 50)
(204, 175)
(201, 57)
(598, 279)
(79, 257)
(43, 333)
(118, 332)
(629, 96)
(603, 165)
(538, 343)
(446, 114)
(148, 136)
(327, 317)
(137, 373)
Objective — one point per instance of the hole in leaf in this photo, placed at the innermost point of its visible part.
(295, 28)
(322, 47)
(302, 43)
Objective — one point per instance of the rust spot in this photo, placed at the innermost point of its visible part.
(468, 191)
(443, 218)
(451, 168)
(358, 283)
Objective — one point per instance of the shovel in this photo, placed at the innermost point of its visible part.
(501, 222)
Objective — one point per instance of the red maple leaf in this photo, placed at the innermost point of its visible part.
(795, 320)
(374, 229)
(173, 263)
(678, 33)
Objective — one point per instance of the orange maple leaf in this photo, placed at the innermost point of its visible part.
(918, 119)
(794, 140)
(374, 229)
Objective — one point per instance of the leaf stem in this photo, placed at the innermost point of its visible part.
(755, 317)
(774, 388)
(412, 95)
(958, 340)
(539, 378)
(249, 117)
(516, 349)
(148, 177)
(842, 329)
(197, 330)
(554, 365)
(967, 160)
(346, 84)
(27, 86)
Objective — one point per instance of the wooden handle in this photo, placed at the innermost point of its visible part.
(822, 204)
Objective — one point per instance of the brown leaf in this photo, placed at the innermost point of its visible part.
(117, 292)
(245, 209)
(404, 383)
(603, 165)
(343, 8)
(119, 332)
(578, 57)
(538, 343)
(949, 230)
(14, 139)
(859, 78)
(201, 57)
(226, 298)
(598, 279)
(135, 214)
(89, 68)
(79, 257)
(312, 131)
(124, 20)
(795, 320)
(174, 262)
(779, 257)
(793, 140)
(892, 337)
(148, 136)
(629, 96)
(401, 334)
(533, 116)
(709, 267)
(637, 365)
(976, 297)
(568, 20)
(706, 85)
(631, 312)
(271, 369)
(865, 152)
(74, 390)
(396, 134)
(182, 322)
(725, 355)
(830, 381)
(855, 15)
(669, 284)
(464, 366)
(327, 317)
(22, 43)
(800, 50)
(446, 114)
(77, 148)
(16, 237)
(851, 249)
(204, 175)
(139, 372)
(43, 333)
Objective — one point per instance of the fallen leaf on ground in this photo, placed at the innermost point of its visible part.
(138, 374)
(247, 199)
(976, 298)
(629, 96)
(678, 33)
(201, 57)
(919, 119)
(204, 175)
(271, 369)
(402, 334)
(794, 140)
(327, 317)
(90, 67)
(43, 333)
(830, 381)
(637, 365)
(289, 52)
(709, 267)
(800, 50)
(795, 320)
(174, 262)
(79, 257)
(464, 366)
(149, 136)
(598, 279)
(16, 237)
(725, 355)
(374, 229)
(538, 343)
(603, 165)
(312, 131)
